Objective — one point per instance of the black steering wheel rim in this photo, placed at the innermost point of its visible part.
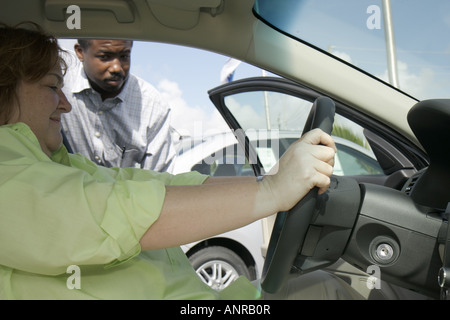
(291, 226)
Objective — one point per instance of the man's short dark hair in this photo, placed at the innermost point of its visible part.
(84, 43)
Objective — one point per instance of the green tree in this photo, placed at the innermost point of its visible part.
(348, 134)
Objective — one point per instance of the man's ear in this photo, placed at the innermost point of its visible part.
(79, 51)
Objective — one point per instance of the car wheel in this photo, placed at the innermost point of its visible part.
(218, 266)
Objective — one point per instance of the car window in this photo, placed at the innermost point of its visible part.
(388, 39)
(352, 162)
(273, 120)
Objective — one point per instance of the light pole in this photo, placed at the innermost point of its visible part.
(390, 44)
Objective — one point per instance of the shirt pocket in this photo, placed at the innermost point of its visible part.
(123, 157)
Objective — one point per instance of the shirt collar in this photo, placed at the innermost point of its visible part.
(81, 82)
(124, 92)
(25, 130)
(60, 156)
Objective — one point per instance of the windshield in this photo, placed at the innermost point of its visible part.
(404, 43)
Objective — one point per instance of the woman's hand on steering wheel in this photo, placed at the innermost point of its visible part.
(308, 163)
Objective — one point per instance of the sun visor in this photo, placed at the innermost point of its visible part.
(182, 14)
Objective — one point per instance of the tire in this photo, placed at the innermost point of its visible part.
(218, 266)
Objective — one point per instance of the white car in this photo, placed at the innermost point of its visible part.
(221, 155)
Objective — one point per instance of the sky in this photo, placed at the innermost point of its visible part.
(355, 32)
(184, 75)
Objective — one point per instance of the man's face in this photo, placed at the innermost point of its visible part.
(107, 64)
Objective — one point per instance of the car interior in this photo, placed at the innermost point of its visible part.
(396, 222)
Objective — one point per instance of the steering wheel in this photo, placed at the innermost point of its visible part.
(291, 226)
